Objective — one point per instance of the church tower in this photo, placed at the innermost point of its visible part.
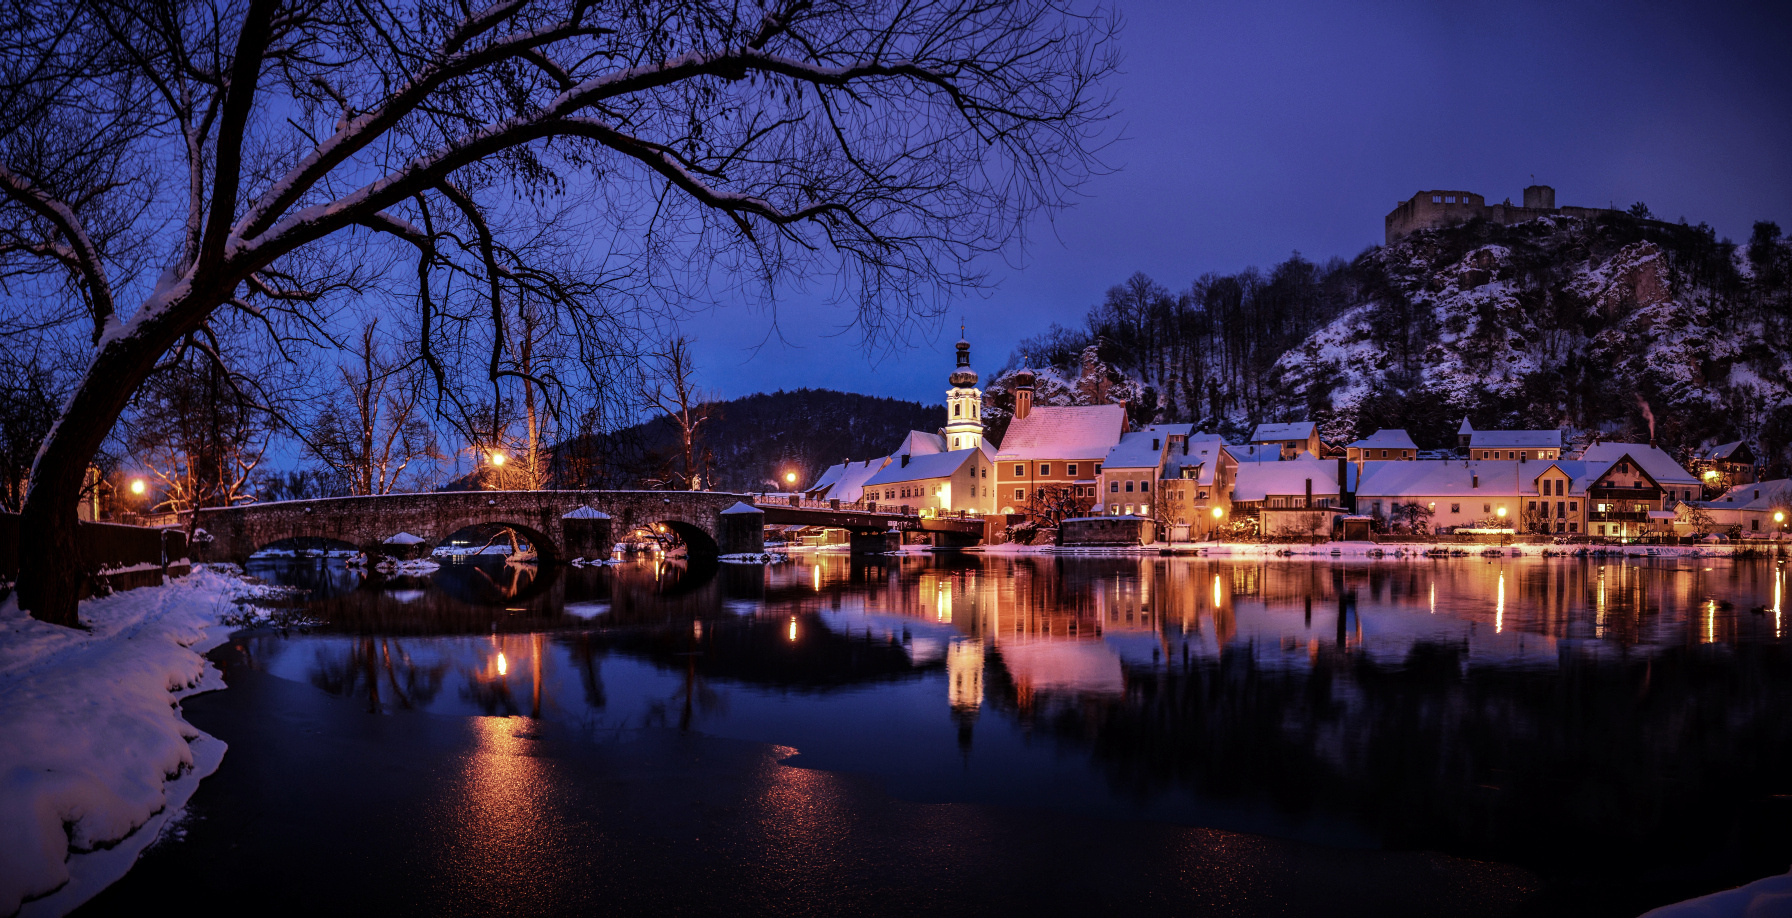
(964, 405)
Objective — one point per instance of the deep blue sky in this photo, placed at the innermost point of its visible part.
(1251, 130)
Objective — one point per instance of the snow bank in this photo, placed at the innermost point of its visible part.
(1772, 896)
(91, 736)
(754, 558)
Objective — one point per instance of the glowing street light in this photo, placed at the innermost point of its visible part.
(790, 477)
(138, 487)
(498, 457)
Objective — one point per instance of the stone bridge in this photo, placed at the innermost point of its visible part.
(562, 525)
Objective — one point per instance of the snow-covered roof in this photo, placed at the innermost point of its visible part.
(1203, 456)
(1386, 438)
(919, 468)
(1255, 452)
(1054, 432)
(1258, 480)
(1515, 439)
(1466, 427)
(1761, 495)
(1456, 478)
(846, 481)
(1720, 452)
(1135, 450)
(921, 443)
(1299, 430)
(1658, 464)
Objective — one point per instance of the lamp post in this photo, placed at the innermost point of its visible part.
(1502, 516)
(1219, 513)
(1779, 519)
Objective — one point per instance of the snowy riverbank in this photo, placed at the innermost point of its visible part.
(1387, 551)
(94, 755)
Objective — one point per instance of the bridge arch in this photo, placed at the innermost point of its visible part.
(543, 544)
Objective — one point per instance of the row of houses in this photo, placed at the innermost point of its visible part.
(1286, 481)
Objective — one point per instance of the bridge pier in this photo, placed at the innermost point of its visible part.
(875, 543)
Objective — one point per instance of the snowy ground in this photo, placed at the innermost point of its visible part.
(94, 756)
(1760, 899)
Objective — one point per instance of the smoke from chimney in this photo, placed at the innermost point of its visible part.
(1647, 416)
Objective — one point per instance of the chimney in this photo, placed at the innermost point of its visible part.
(905, 460)
(1155, 444)
(1474, 478)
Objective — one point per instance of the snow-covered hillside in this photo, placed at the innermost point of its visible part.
(1589, 325)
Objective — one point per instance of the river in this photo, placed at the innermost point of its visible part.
(962, 733)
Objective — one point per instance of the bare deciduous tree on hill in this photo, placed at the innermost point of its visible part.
(674, 391)
(164, 164)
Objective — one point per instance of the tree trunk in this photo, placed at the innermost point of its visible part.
(51, 567)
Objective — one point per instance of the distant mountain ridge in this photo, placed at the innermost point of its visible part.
(753, 441)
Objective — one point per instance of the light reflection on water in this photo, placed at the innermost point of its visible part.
(1516, 709)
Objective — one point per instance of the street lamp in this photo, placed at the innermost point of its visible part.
(1779, 519)
(1502, 516)
(497, 456)
(1219, 513)
(790, 478)
(138, 487)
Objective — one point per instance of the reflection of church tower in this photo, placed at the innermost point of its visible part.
(964, 404)
(964, 686)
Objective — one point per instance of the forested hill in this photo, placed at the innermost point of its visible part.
(1590, 325)
(753, 441)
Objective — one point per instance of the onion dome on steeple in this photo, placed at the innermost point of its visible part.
(964, 377)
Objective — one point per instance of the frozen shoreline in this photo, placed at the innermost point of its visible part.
(95, 758)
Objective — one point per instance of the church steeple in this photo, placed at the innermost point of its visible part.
(964, 404)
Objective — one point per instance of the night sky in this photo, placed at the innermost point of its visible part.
(1250, 131)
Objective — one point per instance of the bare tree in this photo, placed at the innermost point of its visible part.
(370, 431)
(196, 436)
(676, 394)
(162, 164)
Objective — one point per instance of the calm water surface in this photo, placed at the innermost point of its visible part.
(1508, 736)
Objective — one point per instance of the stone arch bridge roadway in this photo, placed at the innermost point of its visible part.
(560, 524)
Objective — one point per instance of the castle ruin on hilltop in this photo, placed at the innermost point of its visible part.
(1432, 209)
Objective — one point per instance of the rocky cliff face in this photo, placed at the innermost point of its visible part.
(1585, 324)
(1558, 322)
